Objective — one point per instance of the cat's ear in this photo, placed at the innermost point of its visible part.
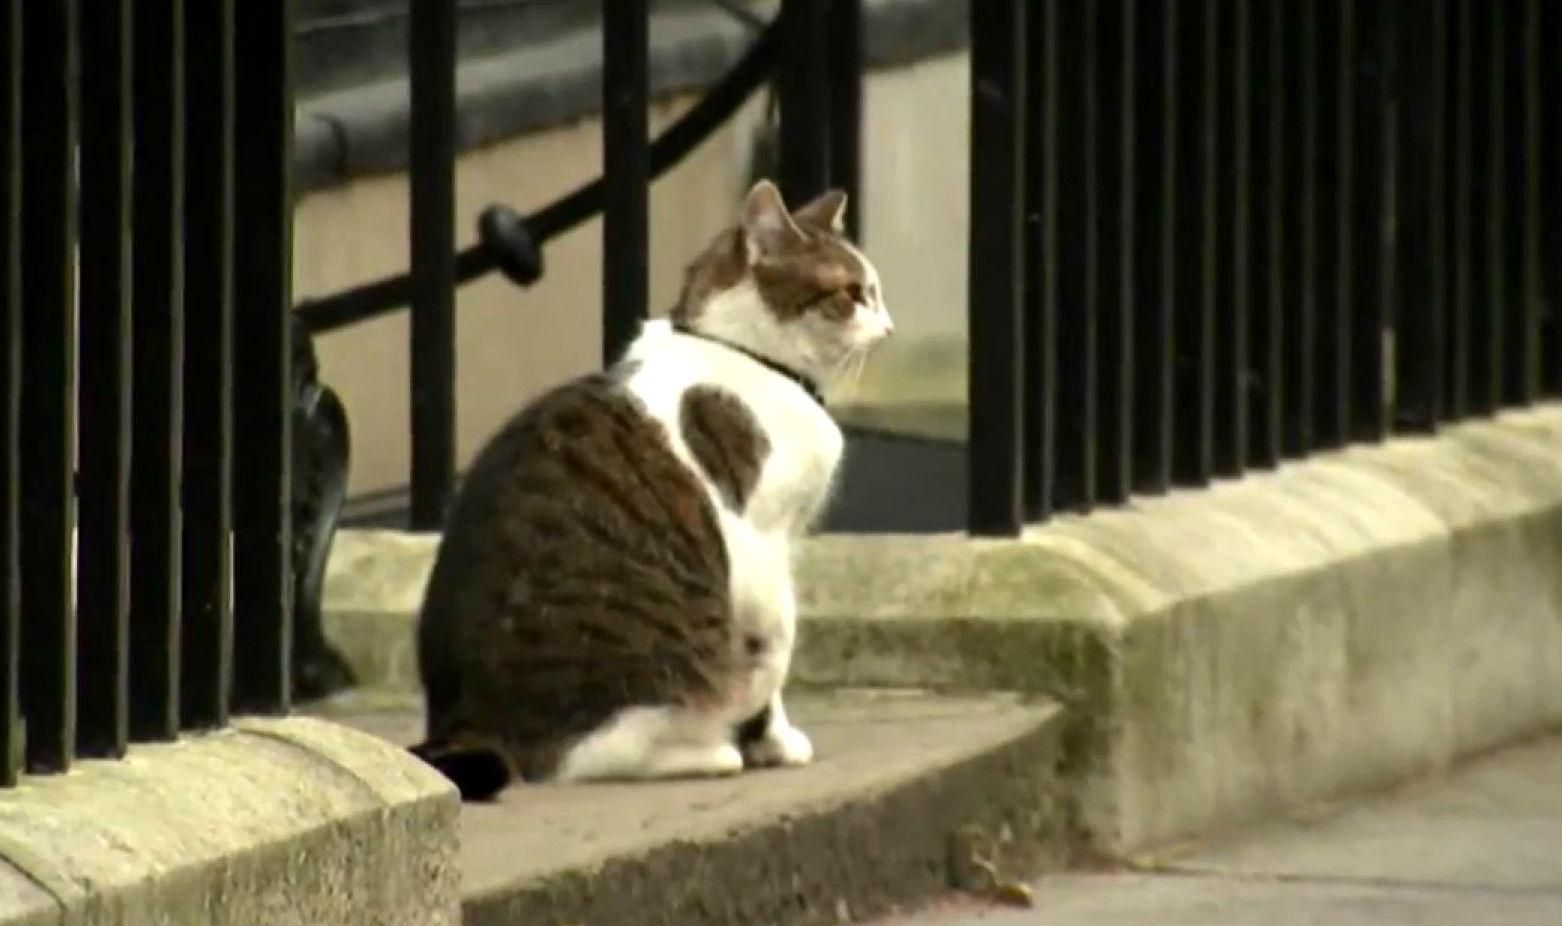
(828, 210)
(767, 226)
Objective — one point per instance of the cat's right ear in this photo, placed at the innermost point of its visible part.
(767, 226)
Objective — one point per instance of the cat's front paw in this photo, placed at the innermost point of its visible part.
(780, 746)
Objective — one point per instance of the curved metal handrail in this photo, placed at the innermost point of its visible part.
(512, 243)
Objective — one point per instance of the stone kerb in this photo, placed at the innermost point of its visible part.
(1337, 624)
(275, 821)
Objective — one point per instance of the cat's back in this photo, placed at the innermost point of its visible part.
(576, 526)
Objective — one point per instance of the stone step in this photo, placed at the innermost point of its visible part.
(911, 794)
(1335, 625)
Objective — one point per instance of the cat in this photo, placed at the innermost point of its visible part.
(613, 595)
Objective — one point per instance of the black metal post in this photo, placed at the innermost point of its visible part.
(1336, 223)
(1303, 146)
(262, 381)
(10, 387)
(626, 172)
(1155, 330)
(804, 83)
(1421, 322)
(997, 240)
(158, 324)
(1078, 255)
(103, 570)
(1374, 262)
(1198, 243)
(1461, 194)
(1521, 264)
(1115, 255)
(207, 654)
(1269, 192)
(1234, 228)
(1488, 246)
(432, 48)
(1039, 318)
(49, 119)
(844, 32)
(1551, 193)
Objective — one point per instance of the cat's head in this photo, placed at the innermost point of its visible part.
(789, 286)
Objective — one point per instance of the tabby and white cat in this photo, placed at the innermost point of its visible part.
(613, 594)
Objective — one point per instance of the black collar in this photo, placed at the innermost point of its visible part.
(804, 381)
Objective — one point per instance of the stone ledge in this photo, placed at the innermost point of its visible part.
(274, 821)
(1340, 623)
(907, 790)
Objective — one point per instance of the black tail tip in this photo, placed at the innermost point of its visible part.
(478, 772)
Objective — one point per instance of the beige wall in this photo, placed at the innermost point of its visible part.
(511, 342)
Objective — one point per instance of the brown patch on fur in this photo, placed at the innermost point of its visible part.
(582, 571)
(726, 441)
(809, 270)
(815, 274)
(721, 267)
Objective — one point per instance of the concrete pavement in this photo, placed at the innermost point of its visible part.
(1478, 846)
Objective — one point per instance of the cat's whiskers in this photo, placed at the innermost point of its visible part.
(848, 372)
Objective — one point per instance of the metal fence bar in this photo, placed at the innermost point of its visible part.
(1461, 196)
(1421, 309)
(103, 566)
(1155, 226)
(995, 504)
(431, 38)
(626, 276)
(207, 652)
(158, 325)
(804, 87)
(1304, 149)
(262, 420)
(1490, 290)
(1521, 266)
(10, 386)
(1115, 258)
(1232, 284)
(845, 37)
(1336, 176)
(1374, 258)
(49, 119)
(1551, 194)
(1077, 286)
(1197, 262)
(1039, 256)
(1268, 191)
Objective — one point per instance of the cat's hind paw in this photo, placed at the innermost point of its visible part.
(717, 760)
(780, 746)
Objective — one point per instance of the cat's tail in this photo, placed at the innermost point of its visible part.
(479, 768)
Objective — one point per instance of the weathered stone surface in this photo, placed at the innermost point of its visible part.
(1341, 623)
(907, 790)
(1478, 845)
(278, 821)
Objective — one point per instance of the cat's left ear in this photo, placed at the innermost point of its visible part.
(828, 210)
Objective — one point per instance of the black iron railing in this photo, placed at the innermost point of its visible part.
(175, 437)
(1209, 236)
(820, 108)
(185, 408)
(1206, 237)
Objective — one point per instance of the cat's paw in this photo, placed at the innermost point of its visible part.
(718, 760)
(780, 746)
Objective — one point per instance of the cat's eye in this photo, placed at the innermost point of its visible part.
(854, 293)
